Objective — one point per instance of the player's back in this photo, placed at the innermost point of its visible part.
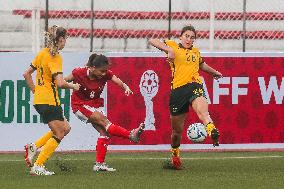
(47, 66)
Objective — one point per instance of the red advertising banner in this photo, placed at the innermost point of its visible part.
(246, 105)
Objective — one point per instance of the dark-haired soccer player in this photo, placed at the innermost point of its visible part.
(88, 106)
(185, 61)
(48, 67)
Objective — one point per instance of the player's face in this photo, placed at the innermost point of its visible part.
(187, 39)
(99, 72)
(61, 43)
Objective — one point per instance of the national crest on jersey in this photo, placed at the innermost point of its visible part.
(185, 66)
(90, 89)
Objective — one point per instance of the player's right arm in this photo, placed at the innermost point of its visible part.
(69, 78)
(65, 85)
(28, 77)
(163, 47)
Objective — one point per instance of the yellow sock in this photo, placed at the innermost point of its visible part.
(41, 141)
(48, 150)
(209, 127)
(175, 152)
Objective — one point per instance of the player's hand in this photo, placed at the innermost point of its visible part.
(128, 91)
(217, 75)
(76, 86)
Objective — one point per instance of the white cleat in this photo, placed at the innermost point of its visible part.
(40, 170)
(103, 167)
(135, 133)
(30, 152)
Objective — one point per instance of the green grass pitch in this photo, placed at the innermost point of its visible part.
(135, 170)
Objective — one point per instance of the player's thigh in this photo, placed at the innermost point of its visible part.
(200, 105)
(92, 115)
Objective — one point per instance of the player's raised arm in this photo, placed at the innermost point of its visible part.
(163, 47)
(125, 87)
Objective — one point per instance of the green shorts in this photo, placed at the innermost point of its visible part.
(183, 96)
(49, 113)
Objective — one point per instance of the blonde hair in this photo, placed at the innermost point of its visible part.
(52, 37)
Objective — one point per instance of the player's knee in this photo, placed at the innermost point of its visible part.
(202, 115)
(67, 130)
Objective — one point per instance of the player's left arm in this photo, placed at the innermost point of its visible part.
(125, 87)
(206, 68)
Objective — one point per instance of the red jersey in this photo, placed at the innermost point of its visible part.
(90, 89)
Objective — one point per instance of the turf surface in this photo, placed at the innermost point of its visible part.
(209, 170)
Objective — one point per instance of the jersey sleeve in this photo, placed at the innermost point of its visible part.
(170, 43)
(56, 67)
(35, 61)
(200, 58)
(75, 73)
(109, 75)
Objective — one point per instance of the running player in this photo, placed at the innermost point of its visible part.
(48, 67)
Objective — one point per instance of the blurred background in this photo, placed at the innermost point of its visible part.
(123, 26)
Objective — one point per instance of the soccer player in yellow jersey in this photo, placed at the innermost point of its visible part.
(48, 67)
(187, 90)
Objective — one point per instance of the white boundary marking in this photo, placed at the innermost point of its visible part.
(251, 146)
(159, 158)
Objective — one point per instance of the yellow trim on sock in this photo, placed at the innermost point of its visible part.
(209, 128)
(175, 152)
(48, 150)
(41, 141)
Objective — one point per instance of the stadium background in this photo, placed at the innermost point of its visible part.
(243, 39)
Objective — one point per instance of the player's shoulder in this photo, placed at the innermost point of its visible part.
(79, 70)
(170, 42)
(195, 49)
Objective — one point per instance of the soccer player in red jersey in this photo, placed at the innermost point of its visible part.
(88, 106)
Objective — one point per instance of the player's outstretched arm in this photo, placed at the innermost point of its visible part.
(206, 68)
(125, 87)
(163, 47)
(69, 78)
(28, 77)
(63, 84)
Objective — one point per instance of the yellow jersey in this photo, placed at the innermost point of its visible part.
(47, 67)
(185, 66)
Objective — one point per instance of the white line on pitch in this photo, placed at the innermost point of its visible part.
(185, 158)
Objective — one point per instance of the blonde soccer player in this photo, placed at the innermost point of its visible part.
(186, 88)
(49, 77)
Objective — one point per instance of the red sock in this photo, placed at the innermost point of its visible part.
(116, 130)
(101, 149)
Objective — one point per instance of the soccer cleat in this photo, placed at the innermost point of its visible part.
(30, 152)
(215, 137)
(135, 133)
(103, 167)
(174, 164)
(40, 170)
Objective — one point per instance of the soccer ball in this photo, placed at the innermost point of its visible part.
(196, 132)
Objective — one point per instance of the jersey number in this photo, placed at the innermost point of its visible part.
(191, 58)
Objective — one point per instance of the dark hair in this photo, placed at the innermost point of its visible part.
(97, 61)
(188, 28)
